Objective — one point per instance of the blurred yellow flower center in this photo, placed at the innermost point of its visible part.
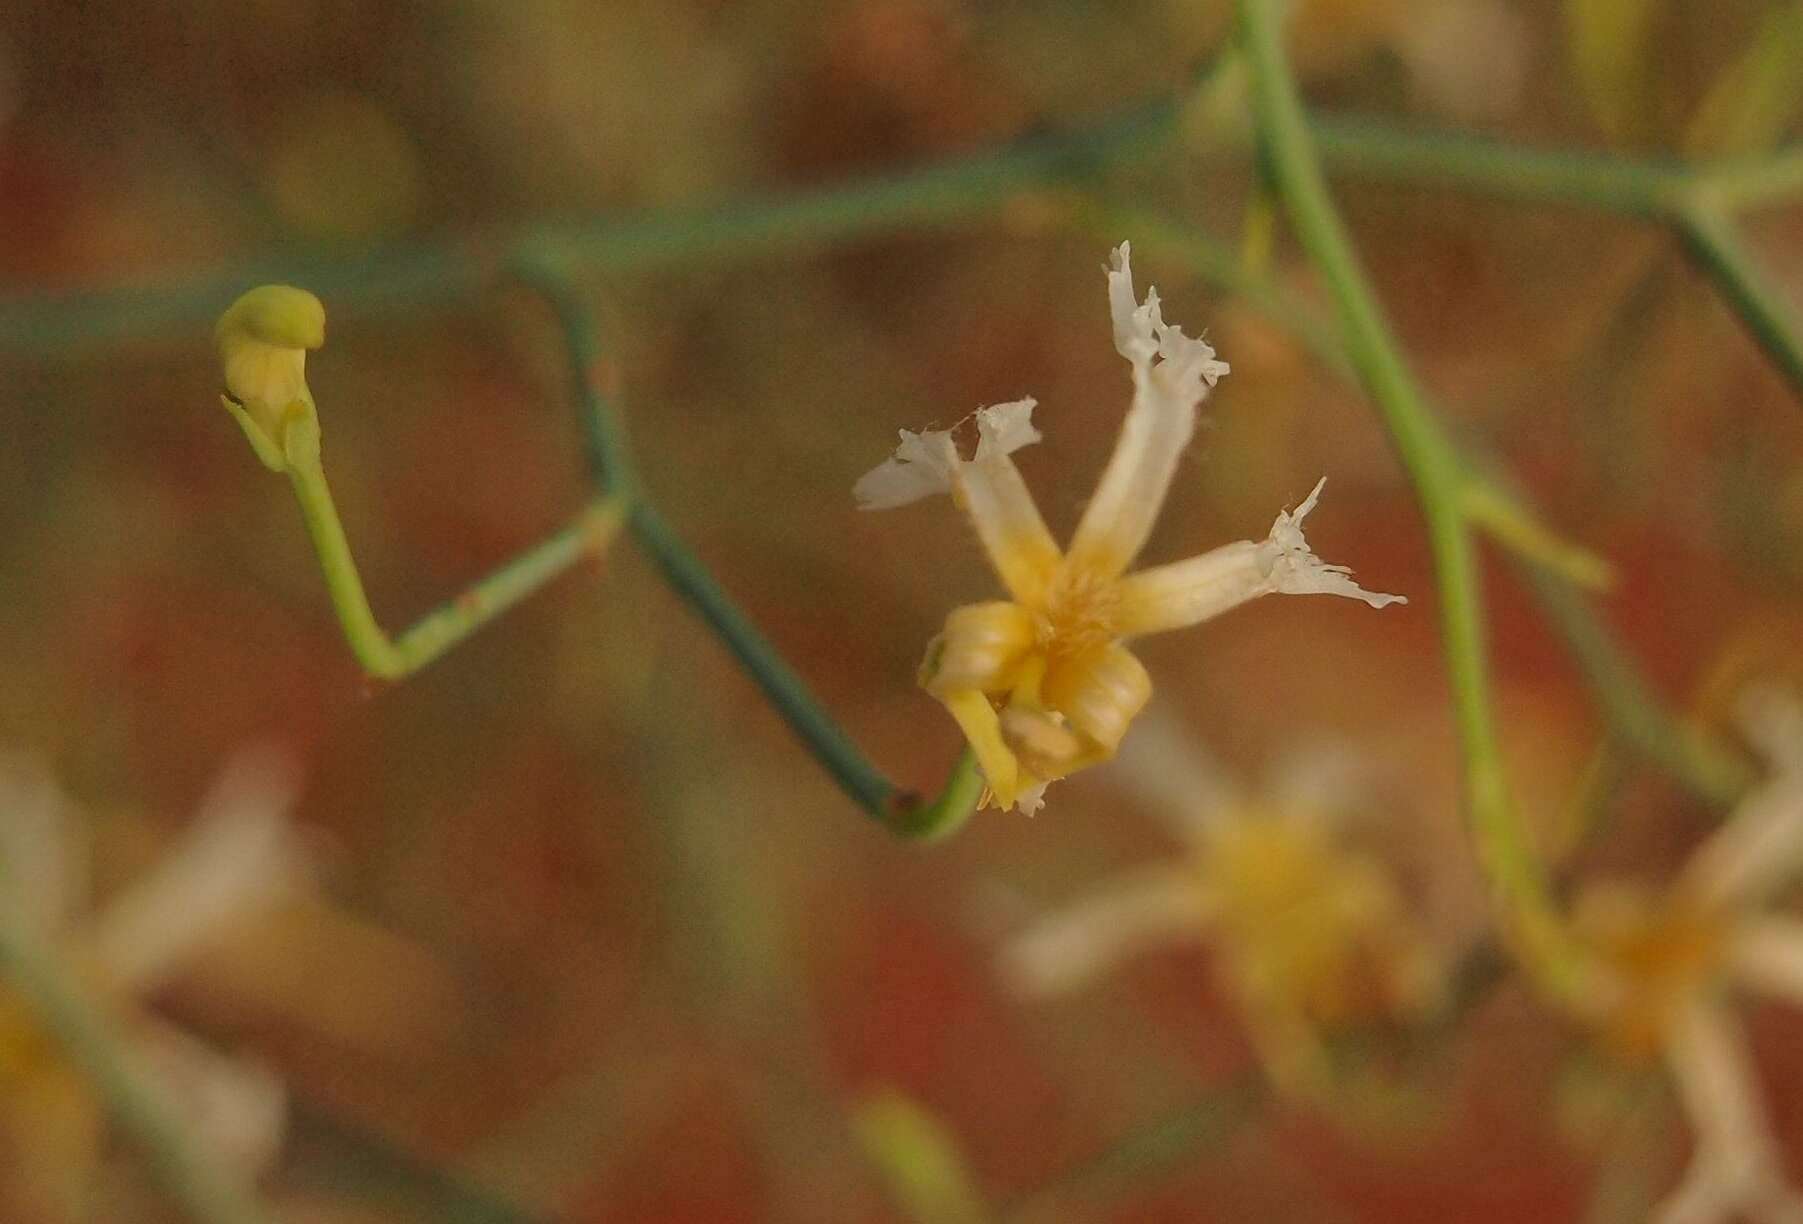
(1309, 927)
(1654, 954)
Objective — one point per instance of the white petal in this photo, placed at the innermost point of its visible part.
(1003, 429)
(1189, 592)
(997, 502)
(1171, 375)
(1133, 337)
(1773, 721)
(1756, 850)
(1176, 775)
(1145, 908)
(237, 1107)
(1296, 570)
(921, 466)
(1031, 799)
(42, 850)
(235, 858)
(1767, 955)
(1736, 1166)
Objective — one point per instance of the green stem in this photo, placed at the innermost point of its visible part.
(829, 743)
(615, 472)
(187, 1171)
(501, 589)
(1512, 525)
(946, 192)
(1715, 245)
(1502, 843)
(344, 584)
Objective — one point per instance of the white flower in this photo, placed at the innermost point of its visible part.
(1042, 683)
(235, 858)
(1310, 932)
(1660, 971)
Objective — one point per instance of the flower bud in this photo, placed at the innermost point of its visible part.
(263, 340)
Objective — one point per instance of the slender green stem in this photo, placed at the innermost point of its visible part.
(614, 471)
(1502, 843)
(1716, 247)
(1510, 524)
(829, 743)
(587, 537)
(405, 278)
(1366, 149)
(343, 583)
(508, 584)
(91, 1042)
(946, 192)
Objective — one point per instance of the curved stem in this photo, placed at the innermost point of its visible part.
(1286, 146)
(388, 658)
(614, 472)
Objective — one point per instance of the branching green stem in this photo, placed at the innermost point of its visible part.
(1504, 850)
(89, 1040)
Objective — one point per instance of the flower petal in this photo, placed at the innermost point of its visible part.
(1172, 374)
(1099, 691)
(992, 493)
(41, 846)
(982, 729)
(236, 857)
(1138, 910)
(1767, 955)
(1758, 849)
(921, 466)
(1188, 592)
(982, 647)
(1736, 1165)
(988, 488)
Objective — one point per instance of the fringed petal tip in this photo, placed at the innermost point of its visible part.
(1296, 570)
(926, 463)
(1030, 800)
(1140, 332)
(921, 466)
(1003, 429)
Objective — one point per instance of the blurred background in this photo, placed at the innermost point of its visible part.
(586, 934)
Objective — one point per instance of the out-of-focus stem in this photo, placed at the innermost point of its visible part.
(1287, 149)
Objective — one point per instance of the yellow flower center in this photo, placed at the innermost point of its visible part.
(1654, 954)
(1077, 612)
(1309, 927)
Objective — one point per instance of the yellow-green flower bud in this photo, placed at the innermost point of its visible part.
(263, 341)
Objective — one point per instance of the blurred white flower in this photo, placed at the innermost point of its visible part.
(1660, 969)
(1310, 933)
(1042, 683)
(236, 857)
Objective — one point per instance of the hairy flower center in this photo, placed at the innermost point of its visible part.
(1077, 611)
